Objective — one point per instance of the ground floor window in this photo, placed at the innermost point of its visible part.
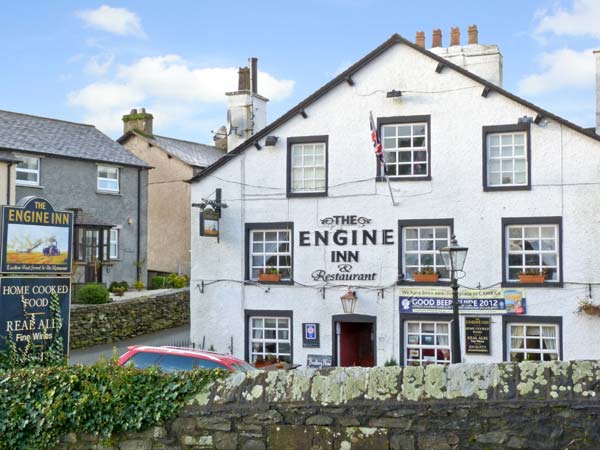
(533, 342)
(426, 342)
(270, 337)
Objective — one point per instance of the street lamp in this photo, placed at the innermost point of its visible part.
(349, 301)
(454, 257)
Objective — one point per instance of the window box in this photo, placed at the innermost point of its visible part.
(531, 279)
(426, 277)
(269, 277)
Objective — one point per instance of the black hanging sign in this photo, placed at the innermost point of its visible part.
(477, 335)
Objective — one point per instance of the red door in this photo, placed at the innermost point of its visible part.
(356, 344)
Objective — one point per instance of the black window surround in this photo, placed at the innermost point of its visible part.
(266, 313)
(405, 120)
(320, 139)
(419, 318)
(418, 223)
(544, 320)
(355, 318)
(268, 226)
(526, 127)
(553, 220)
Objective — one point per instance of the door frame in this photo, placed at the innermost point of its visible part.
(360, 318)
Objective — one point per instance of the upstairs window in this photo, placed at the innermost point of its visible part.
(506, 157)
(307, 166)
(270, 249)
(405, 142)
(108, 179)
(28, 171)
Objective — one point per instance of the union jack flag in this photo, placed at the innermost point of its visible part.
(377, 143)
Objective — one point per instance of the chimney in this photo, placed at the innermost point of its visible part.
(138, 120)
(473, 35)
(436, 38)
(597, 55)
(420, 39)
(484, 61)
(246, 109)
(454, 36)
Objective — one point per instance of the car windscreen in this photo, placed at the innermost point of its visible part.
(170, 363)
(142, 360)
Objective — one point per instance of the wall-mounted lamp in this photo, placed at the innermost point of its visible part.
(393, 94)
(525, 119)
(538, 119)
(129, 220)
(270, 141)
(257, 145)
(349, 300)
(303, 114)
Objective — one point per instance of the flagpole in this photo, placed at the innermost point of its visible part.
(388, 183)
(379, 153)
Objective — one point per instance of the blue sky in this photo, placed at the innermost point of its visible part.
(92, 61)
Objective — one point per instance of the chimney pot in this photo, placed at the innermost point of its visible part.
(473, 35)
(253, 64)
(133, 111)
(436, 38)
(138, 120)
(454, 36)
(420, 39)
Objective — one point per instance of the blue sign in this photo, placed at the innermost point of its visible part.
(311, 330)
(485, 301)
(310, 338)
(26, 315)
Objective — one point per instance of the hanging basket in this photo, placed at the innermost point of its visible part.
(590, 310)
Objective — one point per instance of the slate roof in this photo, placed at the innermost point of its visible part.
(33, 134)
(192, 153)
(346, 76)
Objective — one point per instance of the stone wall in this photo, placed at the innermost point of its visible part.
(478, 406)
(106, 323)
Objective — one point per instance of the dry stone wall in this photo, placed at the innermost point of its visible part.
(110, 322)
(466, 406)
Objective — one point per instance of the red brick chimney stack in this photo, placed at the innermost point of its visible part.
(454, 36)
(420, 40)
(473, 35)
(436, 38)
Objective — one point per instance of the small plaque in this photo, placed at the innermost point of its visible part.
(319, 361)
(310, 337)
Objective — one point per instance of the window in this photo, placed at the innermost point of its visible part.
(28, 171)
(426, 342)
(270, 336)
(92, 243)
(108, 179)
(111, 243)
(307, 166)
(269, 247)
(405, 142)
(506, 157)
(533, 342)
(532, 246)
(421, 242)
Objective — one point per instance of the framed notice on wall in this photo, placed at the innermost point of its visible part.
(477, 335)
(310, 337)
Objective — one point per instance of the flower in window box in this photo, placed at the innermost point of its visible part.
(270, 275)
(532, 276)
(588, 307)
(427, 275)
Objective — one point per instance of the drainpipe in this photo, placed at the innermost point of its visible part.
(8, 184)
(139, 226)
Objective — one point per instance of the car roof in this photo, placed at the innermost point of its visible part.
(187, 352)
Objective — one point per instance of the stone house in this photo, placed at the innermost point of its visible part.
(174, 163)
(308, 199)
(76, 167)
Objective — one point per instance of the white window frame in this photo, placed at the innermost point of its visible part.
(261, 250)
(438, 263)
(113, 240)
(420, 345)
(28, 171)
(512, 240)
(257, 334)
(513, 344)
(503, 155)
(392, 152)
(109, 180)
(303, 163)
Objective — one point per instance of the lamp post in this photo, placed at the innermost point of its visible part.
(454, 259)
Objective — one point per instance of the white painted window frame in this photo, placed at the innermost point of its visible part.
(303, 163)
(267, 254)
(258, 335)
(503, 159)
(513, 341)
(109, 180)
(420, 346)
(511, 250)
(26, 170)
(438, 263)
(395, 149)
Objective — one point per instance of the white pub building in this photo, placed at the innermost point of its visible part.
(319, 258)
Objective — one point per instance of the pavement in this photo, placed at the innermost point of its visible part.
(90, 355)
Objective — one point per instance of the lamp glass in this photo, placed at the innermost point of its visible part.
(348, 304)
(454, 256)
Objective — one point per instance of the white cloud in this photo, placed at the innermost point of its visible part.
(99, 65)
(119, 21)
(564, 68)
(581, 20)
(169, 86)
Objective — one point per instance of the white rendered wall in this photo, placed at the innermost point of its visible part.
(565, 175)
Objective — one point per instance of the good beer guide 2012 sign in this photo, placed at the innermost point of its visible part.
(36, 238)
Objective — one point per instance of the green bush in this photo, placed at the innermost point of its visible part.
(119, 284)
(92, 294)
(40, 405)
(158, 282)
(176, 281)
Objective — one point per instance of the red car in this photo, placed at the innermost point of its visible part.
(171, 359)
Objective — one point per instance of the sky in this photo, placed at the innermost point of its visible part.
(93, 61)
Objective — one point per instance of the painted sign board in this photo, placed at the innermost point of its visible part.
(477, 335)
(319, 361)
(472, 301)
(310, 336)
(36, 239)
(26, 314)
(209, 223)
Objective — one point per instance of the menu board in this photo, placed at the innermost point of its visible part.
(477, 335)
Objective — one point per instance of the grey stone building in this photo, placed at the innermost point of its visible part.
(76, 167)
